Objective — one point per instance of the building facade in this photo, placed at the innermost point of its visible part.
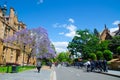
(9, 24)
(107, 35)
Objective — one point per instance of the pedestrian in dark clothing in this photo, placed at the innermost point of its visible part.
(96, 64)
(92, 65)
(105, 65)
(49, 64)
(78, 64)
(100, 65)
(39, 64)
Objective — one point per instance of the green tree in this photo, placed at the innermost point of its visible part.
(103, 45)
(118, 51)
(107, 55)
(78, 42)
(114, 43)
(63, 57)
(93, 43)
(84, 42)
(96, 32)
(72, 47)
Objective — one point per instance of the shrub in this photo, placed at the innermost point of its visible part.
(107, 55)
(92, 56)
(4, 69)
(99, 55)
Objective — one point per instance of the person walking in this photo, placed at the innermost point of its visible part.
(105, 65)
(92, 65)
(39, 64)
(49, 63)
(100, 67)
(87, 65)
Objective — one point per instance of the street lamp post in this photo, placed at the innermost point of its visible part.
(23, 53)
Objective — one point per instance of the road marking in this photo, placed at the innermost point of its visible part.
(53, 75)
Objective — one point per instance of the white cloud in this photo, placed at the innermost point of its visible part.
(116, 22)
(40, 1)
(72, 31)
(113, 29)
(60, 46)
(71, 20)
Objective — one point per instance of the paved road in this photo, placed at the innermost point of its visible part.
(59, 73)
(70, 73)
(27, 75)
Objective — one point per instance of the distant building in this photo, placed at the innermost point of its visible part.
(107, 35)
(117, 32)
(9, 24)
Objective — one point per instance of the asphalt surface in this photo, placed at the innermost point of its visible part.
(71, 73)
(61, 73)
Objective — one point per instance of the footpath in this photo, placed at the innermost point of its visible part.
(111, 73)
(45, 74)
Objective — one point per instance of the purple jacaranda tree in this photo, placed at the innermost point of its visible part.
(42, 44)
(44, 47)
(34, 42)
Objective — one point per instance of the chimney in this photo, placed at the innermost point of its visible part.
(1, 12)
(11, 20)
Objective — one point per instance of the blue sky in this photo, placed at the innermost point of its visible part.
(61, 18)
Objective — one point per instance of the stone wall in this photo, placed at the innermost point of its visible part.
(115, 65)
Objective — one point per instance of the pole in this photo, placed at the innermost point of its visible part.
(23, 54)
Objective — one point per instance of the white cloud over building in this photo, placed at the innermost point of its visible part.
(113, 29)
(116, 22)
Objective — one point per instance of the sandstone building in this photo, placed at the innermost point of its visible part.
(9, 24)
(106, 34)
